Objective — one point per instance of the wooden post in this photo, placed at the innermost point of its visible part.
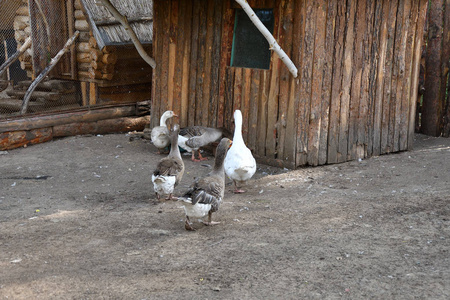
(445, 87)
(53, 62)
(432, 107)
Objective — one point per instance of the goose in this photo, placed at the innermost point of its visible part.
(206, 194)
(170, 169)
(192, 138)
(240, 165)
(160, 134)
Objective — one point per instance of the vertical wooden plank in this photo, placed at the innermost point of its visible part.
(366, 82)
(186, 8)
(306, 83)
(355, 94)
(171, 75)
(385, 116)
(225, 52)
(245, 100)
(398, 73)
(229, 87)
(207, 56)
(336, 92)
(272, 118)
(178, 16)
(71, 30)
(290, 142)
(84, 93)
(214, 94)
(346, 83)
(93, 93)
(156, 86)
(327, 80)
(201, 63)
(374, 84)
(237, 89)
(253, 109)
(433, 100)
(423, 4)
(378, 105)
(285, 39)
(262, 113)
(193, 63)
(165, 14)
(411, 11)
(317, 78)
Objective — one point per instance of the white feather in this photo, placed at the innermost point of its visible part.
(163, 185)
(198, 210)
(240, 165)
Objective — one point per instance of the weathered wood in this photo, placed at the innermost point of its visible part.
(366, 82)
(123, 20)
(397, 77)
(423, 5)
(21, 22)
(315, 118)
(214, 89)
(36, 94)
(83, 57)
(95, 54)
(79, 15)
(333, 138)
(16, 139)
(446, 67)
(116, 125)
(386, 146)
(83, 47)
(82, 115)
(346, 83)
(82, 25)
(327, 81)
(225, 52)
(433, 100)
(410, 29)
(109, 58)
(355, 93)
(22, 11)
(207, 56)
(44, 73)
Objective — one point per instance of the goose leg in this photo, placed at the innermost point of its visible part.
(171, 197)
(210, 223)
(187, 225)
(200, 157)
(236, 189)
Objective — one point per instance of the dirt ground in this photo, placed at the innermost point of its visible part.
(79, 220)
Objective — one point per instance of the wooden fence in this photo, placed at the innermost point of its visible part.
(355, 95)
(435, 111)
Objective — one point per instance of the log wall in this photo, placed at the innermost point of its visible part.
(355, 95)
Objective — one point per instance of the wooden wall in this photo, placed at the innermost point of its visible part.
(355, 95)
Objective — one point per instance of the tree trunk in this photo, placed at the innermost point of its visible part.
(432, 107)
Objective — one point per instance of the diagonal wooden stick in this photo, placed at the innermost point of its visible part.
(269, 37)
(123, 20)
(51, 65)
(15, 56)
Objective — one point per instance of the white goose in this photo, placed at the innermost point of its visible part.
(160, 134)
(240, 165)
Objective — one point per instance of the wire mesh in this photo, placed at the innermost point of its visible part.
(22, 20)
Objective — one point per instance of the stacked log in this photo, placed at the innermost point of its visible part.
(22, 30)
(93, 63)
